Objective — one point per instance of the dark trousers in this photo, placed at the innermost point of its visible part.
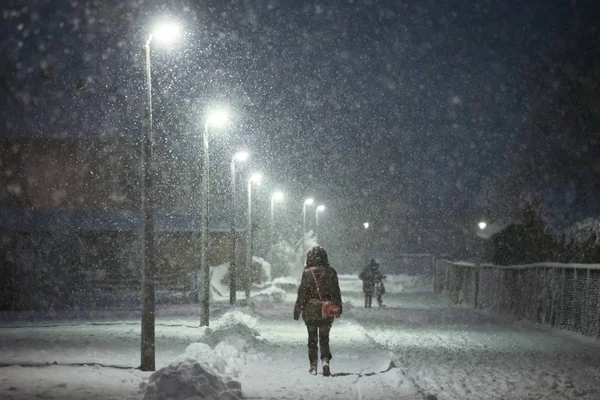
(318, 333)
(368, 299)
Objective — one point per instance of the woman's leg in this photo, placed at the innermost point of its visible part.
(324, 329)
(313, 345)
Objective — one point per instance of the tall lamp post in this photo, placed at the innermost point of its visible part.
(319, 209)
(256, 178)
(217, 118)
(276, 196)
(164, 33)
(307, 202)
(240, 156)
(369, 240)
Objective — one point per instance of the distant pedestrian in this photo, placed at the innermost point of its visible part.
(380, 291)
(319, 301)
(371, 276)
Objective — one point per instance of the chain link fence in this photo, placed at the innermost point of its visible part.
(566, 296)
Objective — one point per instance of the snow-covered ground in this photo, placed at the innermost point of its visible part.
(418, 347)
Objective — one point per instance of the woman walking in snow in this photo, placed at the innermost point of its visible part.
(319, 301)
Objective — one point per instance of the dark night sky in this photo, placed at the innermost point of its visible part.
(388, 111)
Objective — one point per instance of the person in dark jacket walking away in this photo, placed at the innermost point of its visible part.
(371, 276)
(319, 283)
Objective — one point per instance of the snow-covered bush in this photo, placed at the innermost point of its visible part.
(261, 272)
(273, 294)
(283, 257)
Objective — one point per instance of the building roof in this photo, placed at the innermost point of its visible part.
(35, 220)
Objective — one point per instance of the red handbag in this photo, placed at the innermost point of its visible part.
(329, 309)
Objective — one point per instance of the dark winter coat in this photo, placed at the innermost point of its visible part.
(370, 277)
(307, 302)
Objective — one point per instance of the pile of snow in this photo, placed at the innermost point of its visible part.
(269, 295)
(272, 294)
(189, 380)
(206, 368)
(286, 283)
(234, 324)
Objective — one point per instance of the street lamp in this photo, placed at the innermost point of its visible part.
(256, 178)
(276, 196)
(366, 225)
(216, 118)
(318, 209)
(164, 33)
(307, 202)
(239, 156)
(482, 225)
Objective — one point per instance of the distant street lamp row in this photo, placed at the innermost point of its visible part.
(167, 33)
(319, 208)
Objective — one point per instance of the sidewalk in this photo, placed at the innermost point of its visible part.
(419, 347)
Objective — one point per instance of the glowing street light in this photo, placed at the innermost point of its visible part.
(276, 196)
(147, 208)
(319, 209)
(482, 225)
(216, 118)
(165, 32)
(366, 225)
(240, 156)
(254, 178)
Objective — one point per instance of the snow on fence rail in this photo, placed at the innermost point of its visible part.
(562, 295)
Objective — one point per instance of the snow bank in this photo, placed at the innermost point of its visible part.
(190, 380)
(205, 370)
(267, 296)
(234, 325)
(272, 294)
(286, 283)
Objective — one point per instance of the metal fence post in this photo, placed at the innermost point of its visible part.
(447, 273)
(562, 297)
(585, 319)
(574, 300)
(476, 281)
(434, 262)
(552, 295)
(598, 311)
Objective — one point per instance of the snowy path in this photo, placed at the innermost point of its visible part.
(419, 347)
(456, 353)
(361, 368)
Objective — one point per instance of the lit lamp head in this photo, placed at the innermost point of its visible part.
(241, 156)
(256, 178)
(309, 202)
(278, 196)
(216, 118)
(482, 225)
(321, 208)
(165, 33)
(366, 225)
